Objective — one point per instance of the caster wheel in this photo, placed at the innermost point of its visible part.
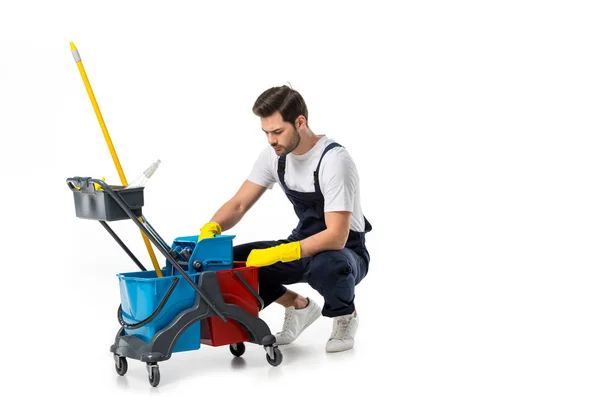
(277, 357)
(121, 365)
(153, 374)
(237, 349)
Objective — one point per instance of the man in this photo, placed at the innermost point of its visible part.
(327, 248)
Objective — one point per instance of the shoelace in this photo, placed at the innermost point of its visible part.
(286, 321)
(341, 324)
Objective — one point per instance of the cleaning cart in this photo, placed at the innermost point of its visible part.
(160, 314)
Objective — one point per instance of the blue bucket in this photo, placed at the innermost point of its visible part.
(141, 294)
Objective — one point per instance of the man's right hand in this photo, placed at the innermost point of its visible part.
(209, 230)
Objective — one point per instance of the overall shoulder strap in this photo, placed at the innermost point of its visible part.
(316, 173)
(281, 171)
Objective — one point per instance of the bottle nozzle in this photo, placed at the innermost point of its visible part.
(150, 170)
(143, 178)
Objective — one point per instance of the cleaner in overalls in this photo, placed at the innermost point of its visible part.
(327, 248)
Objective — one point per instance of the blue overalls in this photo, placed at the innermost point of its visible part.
(333, 274)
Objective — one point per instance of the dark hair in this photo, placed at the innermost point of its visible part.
(283, 99)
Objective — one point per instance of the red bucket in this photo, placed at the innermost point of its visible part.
(214, 331)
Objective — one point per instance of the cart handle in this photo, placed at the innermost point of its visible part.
(84, 184)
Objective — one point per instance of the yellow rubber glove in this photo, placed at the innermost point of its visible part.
(282, 253)
(209, 230)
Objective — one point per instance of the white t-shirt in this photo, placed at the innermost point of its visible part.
(338, 177)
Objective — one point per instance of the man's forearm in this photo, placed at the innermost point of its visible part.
(228, 215)
(322, 241)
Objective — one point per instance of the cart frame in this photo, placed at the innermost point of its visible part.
(209, 299)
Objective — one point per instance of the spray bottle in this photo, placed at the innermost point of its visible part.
(141, 180)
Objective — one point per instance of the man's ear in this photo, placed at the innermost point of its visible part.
(300, 121)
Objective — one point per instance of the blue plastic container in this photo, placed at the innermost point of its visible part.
(142, 292)
(214, 253)
(181, 244)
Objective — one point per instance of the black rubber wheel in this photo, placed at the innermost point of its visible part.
(121, 366)
(154, 375)
(277, 359)
(237, 349)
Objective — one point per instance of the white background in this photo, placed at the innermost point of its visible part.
(475, 129)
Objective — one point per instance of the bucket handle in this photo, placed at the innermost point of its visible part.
(153, 315)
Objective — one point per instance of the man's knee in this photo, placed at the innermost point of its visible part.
(328, 267)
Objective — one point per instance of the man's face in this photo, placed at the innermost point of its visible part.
(282, 136)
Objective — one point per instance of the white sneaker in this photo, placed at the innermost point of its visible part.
(296, 321)
(342, 334)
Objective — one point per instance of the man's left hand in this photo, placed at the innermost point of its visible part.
(282, 253)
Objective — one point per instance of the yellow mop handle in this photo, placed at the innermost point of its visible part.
(113, 153)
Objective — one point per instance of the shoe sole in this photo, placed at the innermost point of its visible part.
(313, 317)
(338, 350)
